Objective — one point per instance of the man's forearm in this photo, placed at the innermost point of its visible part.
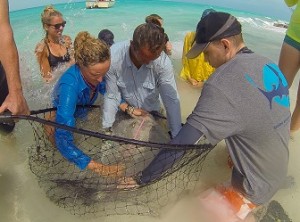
(10, 60)
(165, 159)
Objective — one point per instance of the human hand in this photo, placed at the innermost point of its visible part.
(168, 48)
(127, 183)
(15, 103)
(108, 131)
(48, 77)
(134, 112)
(67, 41)
(139, 112)
(116, 170)
(199, 84)
(196, 83)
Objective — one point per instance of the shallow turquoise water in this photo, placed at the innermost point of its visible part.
(21, 198)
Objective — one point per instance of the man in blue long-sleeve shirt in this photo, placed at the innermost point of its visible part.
(140, 74)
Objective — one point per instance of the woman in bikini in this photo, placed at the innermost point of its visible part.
(55, 49)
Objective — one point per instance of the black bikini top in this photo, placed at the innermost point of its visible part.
(54, 61)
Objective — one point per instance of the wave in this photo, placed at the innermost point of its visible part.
(260, 23)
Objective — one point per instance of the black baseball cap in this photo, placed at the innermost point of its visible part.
(107, 36)
(213, 26)
(206, 12)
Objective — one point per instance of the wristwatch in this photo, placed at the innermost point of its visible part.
(129, 110)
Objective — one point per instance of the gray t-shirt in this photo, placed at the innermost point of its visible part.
(246, 102)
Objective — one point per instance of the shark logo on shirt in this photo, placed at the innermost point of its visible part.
(275, 86)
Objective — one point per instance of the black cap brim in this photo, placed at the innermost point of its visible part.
(196, 50)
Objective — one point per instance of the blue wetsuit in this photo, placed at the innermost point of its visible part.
(70, 91)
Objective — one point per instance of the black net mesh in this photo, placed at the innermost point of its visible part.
(133, 143)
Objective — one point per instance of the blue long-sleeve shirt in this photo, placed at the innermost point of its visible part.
(70, 91)
(141, 87)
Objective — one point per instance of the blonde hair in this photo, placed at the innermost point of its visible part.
(49, 11)
(89, 50)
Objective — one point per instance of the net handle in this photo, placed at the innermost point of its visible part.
(7, 118)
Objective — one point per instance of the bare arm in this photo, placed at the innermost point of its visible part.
(41, 53)
(15, 101)
(70, 47)
(168, 48)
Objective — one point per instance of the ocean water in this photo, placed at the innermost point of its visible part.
(179, 18)
(21, 199)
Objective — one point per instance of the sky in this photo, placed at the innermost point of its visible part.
(270, 8)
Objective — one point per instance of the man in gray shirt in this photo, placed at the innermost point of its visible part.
(140, 74)
(246, 103)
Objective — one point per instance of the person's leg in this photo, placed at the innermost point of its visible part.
(289, 62)
(50, 130)
(295, 123)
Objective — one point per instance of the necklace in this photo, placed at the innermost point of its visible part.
(53, 42)
(56, 47)
(56, 43)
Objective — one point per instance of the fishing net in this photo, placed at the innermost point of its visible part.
(132, 143)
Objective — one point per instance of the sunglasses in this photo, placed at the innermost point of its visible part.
(58, 25)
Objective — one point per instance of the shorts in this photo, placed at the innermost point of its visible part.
(3, 85)
(288, 40)
(224, 204)
(4, 127)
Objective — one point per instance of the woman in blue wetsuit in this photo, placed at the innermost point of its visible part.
(80, 85)
(55, 49)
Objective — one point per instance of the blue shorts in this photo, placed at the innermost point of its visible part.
(4, 127)
(288, 40)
